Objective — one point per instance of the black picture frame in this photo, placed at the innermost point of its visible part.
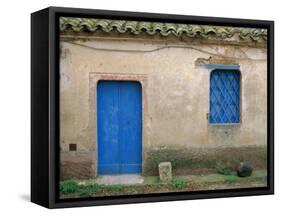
(45, 105)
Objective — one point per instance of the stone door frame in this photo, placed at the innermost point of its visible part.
(94, 78)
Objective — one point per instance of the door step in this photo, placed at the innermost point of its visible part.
(124, 179)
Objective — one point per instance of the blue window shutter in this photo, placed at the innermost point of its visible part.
(224, 97)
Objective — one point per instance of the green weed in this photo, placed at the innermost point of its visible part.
(178, 183)
(69, 186)
(225, 170)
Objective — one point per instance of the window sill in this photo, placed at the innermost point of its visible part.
(224, 124)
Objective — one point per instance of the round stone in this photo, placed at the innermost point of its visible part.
(244, 169)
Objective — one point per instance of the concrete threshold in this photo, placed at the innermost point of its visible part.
(125, 179)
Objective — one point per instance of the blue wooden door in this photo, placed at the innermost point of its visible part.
(119, 113)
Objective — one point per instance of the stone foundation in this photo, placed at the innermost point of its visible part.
(196, 161)
(77, 165)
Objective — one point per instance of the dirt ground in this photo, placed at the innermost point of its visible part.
(151, 184)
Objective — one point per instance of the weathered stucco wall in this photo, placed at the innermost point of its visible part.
(176, 98)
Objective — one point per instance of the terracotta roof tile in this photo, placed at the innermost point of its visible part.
(136, 27)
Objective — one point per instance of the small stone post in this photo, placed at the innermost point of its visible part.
(165, 171)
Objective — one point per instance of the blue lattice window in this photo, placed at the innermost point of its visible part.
(224, 97)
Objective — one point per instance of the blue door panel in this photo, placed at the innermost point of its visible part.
(119, 127)
(108, 128)
(130, 127)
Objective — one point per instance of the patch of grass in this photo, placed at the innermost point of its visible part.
(225, 170)
(211, 187)
(231, 179)
(89, 188)
(113, 188)
(93, 188)
(178, 183)
(151, 179)
(69, 186)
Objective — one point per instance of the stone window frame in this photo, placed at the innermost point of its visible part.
(211, 67)
(94, 78)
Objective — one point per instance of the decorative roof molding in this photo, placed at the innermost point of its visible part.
(70, 24)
